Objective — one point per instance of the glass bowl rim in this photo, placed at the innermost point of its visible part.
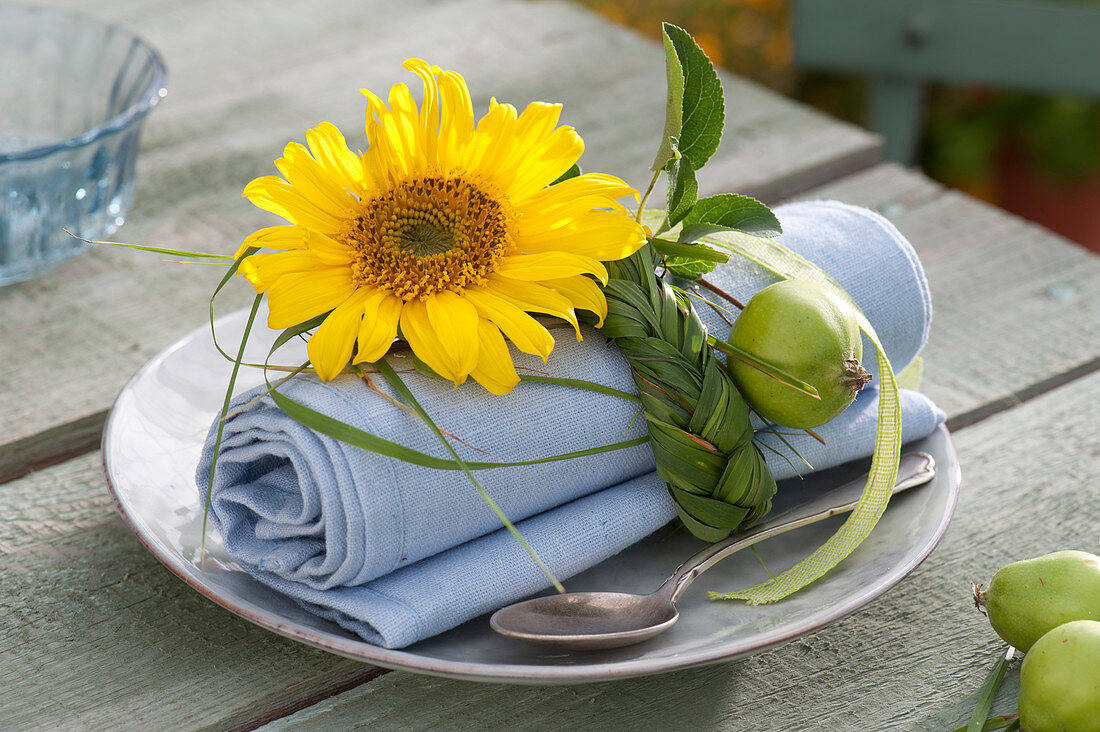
(152, 93)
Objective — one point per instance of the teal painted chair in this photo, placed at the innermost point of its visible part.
(902, 45)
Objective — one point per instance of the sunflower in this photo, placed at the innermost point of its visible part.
(445, 233)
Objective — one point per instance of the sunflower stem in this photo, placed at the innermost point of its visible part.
(645, 196)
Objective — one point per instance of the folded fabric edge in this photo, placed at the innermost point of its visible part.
(449, 588)
(445, 590)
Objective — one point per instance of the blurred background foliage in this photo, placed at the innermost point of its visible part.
(1038, 156)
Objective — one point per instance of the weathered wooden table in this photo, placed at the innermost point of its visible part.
(94, 633)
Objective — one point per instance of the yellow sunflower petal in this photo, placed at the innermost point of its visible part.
(535, 298)
(307, 177)
(331, 150)
(264, 269)
(456, 119)
(331, 345)
(454, 321)
(557, 206)
(376, 171)
(604, 235)
(327, 249)
(429, 108)
(495, 370)
(559, 215)
(583, 292)
(390, 156)
(514, 140)
(528, 334)
(402, 127)
(274, 237)
(546, 162)
(298, 296)
(274, 194)
(381, 314)
(425, 343)
(579, 187)
(550, 265)
(492, 135)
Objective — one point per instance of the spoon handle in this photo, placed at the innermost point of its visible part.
(914, 469)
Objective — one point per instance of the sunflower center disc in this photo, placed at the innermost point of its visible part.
(426, 235)
(424, 239)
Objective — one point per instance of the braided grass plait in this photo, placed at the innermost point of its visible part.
(697, 420)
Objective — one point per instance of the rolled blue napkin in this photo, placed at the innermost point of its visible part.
(396, 553)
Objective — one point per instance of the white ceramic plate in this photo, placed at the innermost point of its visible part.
(151, 446)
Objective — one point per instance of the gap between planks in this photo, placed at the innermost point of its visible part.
(318, 695)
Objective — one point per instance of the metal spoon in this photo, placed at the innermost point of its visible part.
(595, 620)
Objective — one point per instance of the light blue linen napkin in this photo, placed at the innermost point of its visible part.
(397, 553)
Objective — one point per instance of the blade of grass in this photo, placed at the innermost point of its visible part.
(989, 692)
(771, 428)
(582, 384)
(221, 423)
(1008, 723)
(155, 250)
(228, 275)
(399, 385)
(776, 373)
(344, 432)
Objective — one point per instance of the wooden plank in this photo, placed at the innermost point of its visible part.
(96, 634)
(1014, 305)
(246, 76)
(914, 659)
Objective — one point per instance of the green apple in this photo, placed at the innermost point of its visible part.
(804, 329)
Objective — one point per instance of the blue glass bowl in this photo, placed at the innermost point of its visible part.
(74, 92)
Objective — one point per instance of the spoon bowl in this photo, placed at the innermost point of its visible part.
(586, 621)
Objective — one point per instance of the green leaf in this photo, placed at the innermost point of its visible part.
(668, 248)
(688, 268)
(1008, 723)
(729, 212)
(683, 190)
(703, 107)
(674, 106)
(573, 172)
